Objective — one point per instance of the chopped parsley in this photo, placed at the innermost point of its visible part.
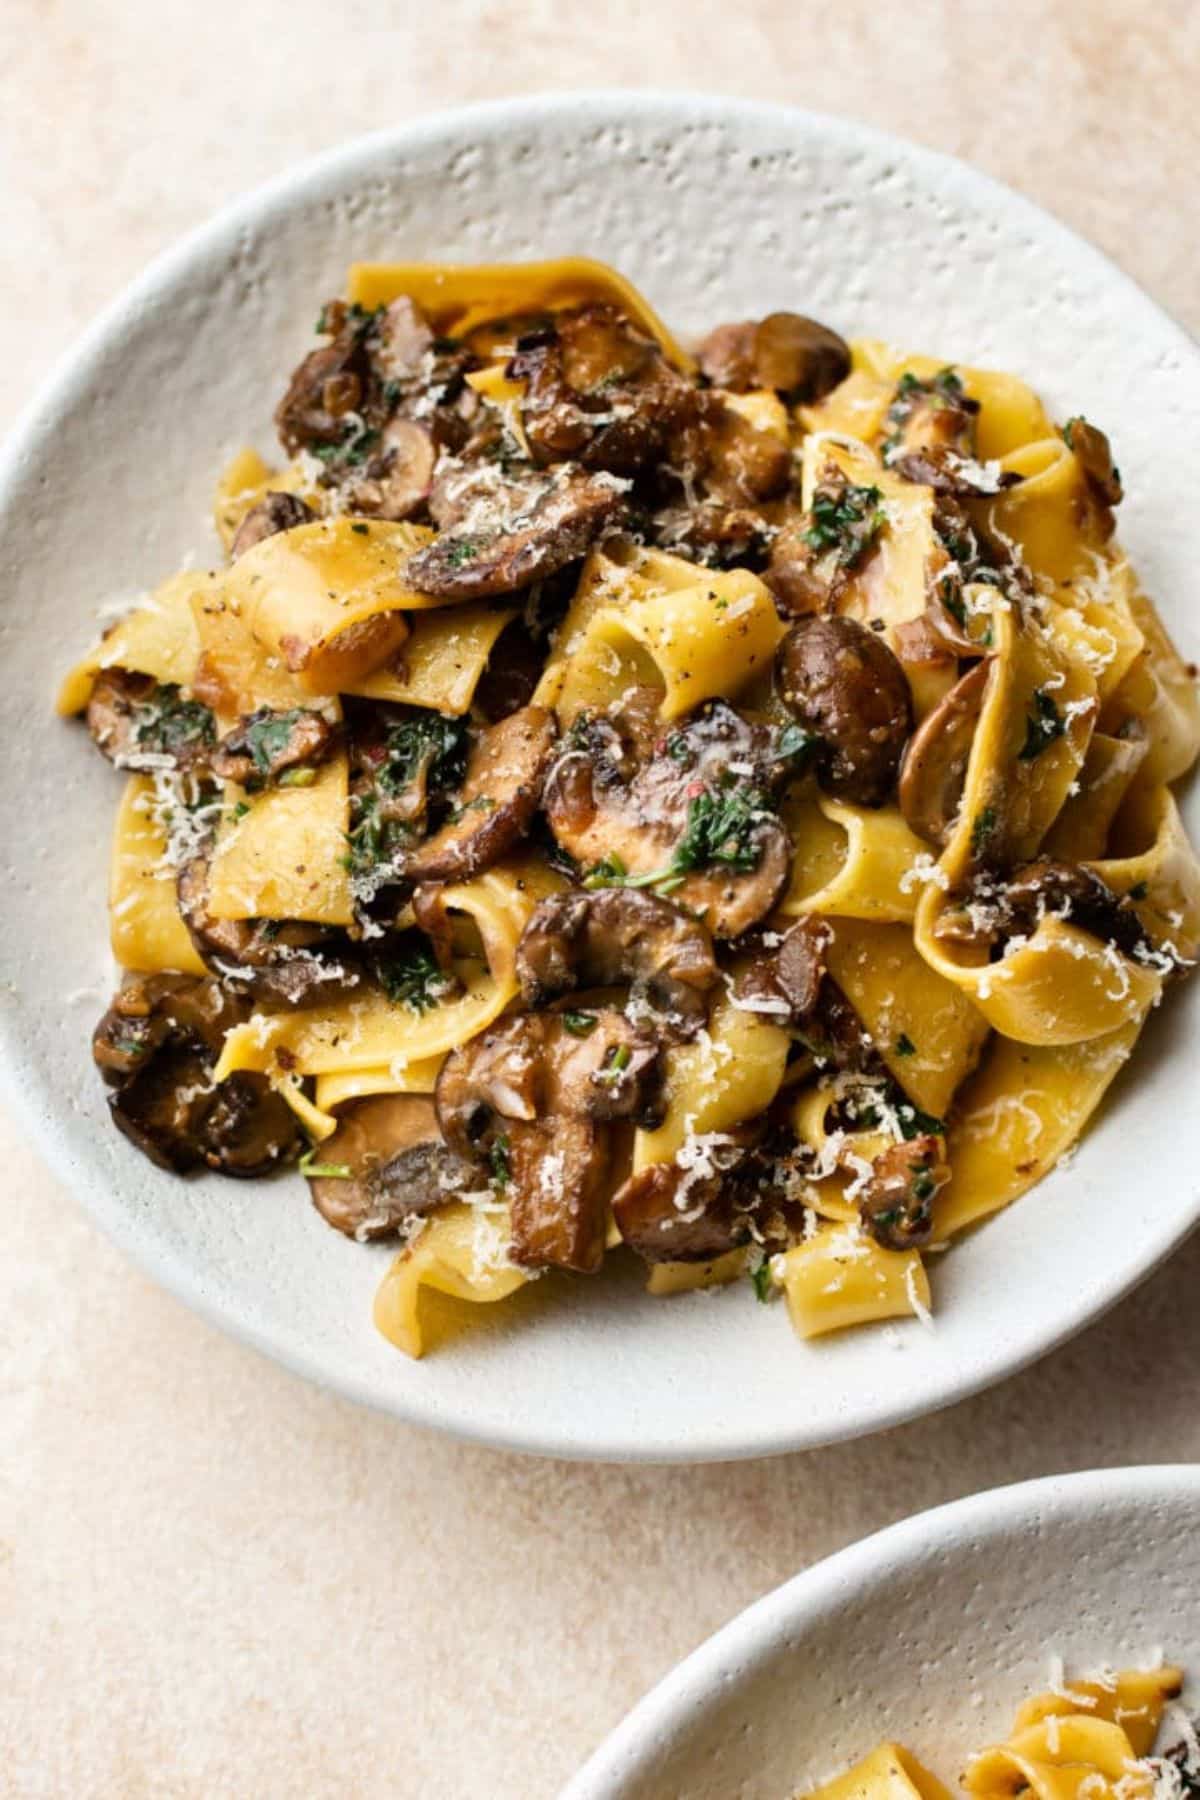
(167, 725)
(319, 1171)
(982, 827)
(351, 449)
(1042, 726)
(905, 1045)
(460, 551)
(618, 1060)
(945, 390)
(412, 978)
(579, 1024)
(847, 520)
(915, 1123)
(924, 1187)
(500, 1164)
(1138, 891)
(761, 1277)
(794, 745)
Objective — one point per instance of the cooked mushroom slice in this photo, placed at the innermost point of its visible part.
(395, 481)
(281, 747)
(688, 811)
(721, 1191)
(896, 1202)
(991, 910)
(931, 438)
(617, 938)
(274, 513)
(598, 390)
(800, 580)
(555, 522)
(496, 803)
(386, 1163)
(934, 771)
(846, 687)
(512, 674)
(137, 722)
(797, 356)
(782, 979)
(837, 1037)
(157, 1046)
(530, 1101)
(283, 960)
(1094, 452)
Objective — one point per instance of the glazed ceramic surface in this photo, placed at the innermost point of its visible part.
(930, 1633)
(717, 209)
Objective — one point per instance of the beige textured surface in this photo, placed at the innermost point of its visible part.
(213, 1580)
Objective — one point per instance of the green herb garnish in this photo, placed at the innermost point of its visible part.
(764, 1284)
(500, 1164)
(267, 736)
(579, 1024)
(319, 1171)
(915, 1123)
(905, 1045)
(297, 778)
(982, 828)
(1138, 891)
(846, 520)
(1042, 726)
(412, 978)
(165, 724)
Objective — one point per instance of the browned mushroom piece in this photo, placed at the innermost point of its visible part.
(931, 438)
(274, 513)
(721, 1191)
(1094, 452)
(837, 1037)
(598, 390)
(396, 479)
(801, 581)
(137, 722)
(934, 771)
(287, 961)
(992, 909)
(385, 1165)
(618, 937)
(534, 529)
(783, 974)
(531, 1100)
(157, 1046)
(513, 671)
(689, 812)
(896, 1202)
(797, 356)
(281, 747)
(494, 808)
(323, 388)
(844, 685)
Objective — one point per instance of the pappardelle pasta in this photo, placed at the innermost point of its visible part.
(1090, 1739)
(713, 804)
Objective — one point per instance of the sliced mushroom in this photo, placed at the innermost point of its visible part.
(531, 1101)
(386, 1164)
(274, 513)
(615, 938)
(1094, 452)
(137, 722)
(554, 521)
(934, 771)
(496, 803)
(157, 1046)
(689, 811)
(782, 979)
(896, 1203)
(721, 1192)
(513, 671)
(800, 580)
(327, 384)
(992, 910)
(283, 960)
(269, 746)
(598, 390)
(800, 358)
(837, 1037)
(396, 480)
(844, 685)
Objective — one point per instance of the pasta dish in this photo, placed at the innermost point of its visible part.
(714, 802)
(1086, 1740)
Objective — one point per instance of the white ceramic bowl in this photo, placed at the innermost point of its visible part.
(718, 209)
(931, 1632)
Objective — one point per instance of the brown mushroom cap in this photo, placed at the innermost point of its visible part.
(540, 526)
(845, 686)
(796, 356)
(286, 960)
(619, 937)
(495, 806)
(531, 1099)
(934, 771)
(274, 513)
(896, 1205)
(157, 1046)
(136, 721)
(1094, 452)
(993, 909)
(267, 744)
(399, 1167)
(397, 479)
(782, 978)
(618, 791)
(720, 1192)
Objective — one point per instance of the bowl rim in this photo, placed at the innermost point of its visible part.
(334, 168)
(737, 1650)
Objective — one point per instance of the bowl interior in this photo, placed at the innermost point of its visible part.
(718, 209)
(930, 1633)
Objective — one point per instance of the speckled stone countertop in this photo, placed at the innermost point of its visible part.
(214, 1580)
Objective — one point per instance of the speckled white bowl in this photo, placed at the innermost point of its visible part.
(931, 1632)
(718, 209)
